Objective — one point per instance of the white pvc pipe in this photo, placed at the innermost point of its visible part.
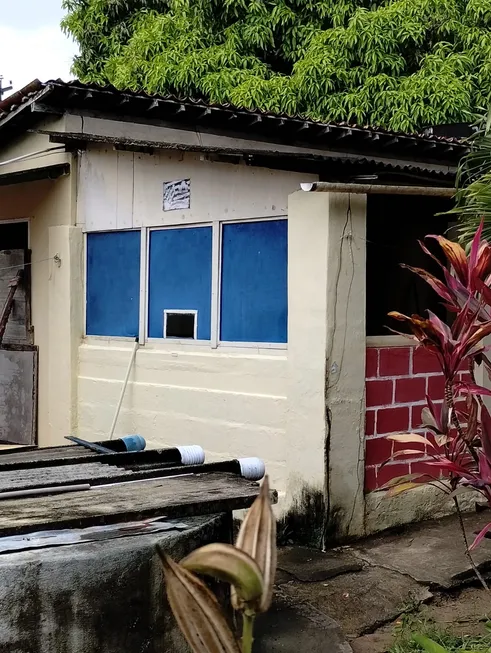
(123, 389)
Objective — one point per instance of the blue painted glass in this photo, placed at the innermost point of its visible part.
(113, 283)
(180, 277)
(254, 296)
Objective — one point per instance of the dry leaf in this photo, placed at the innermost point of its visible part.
(257, 537)
(227, 563)
(196, 610)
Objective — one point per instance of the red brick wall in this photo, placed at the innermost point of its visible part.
(397, 381)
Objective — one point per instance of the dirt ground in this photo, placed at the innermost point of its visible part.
(462, 611)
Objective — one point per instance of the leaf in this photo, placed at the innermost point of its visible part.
(402, 452)
(257, 537)
(408, 437)
(398, 480)
(429, 645)
(404, 487)
(480, 536)
(472, 388)
(486, 431)
(227, 563)
(196, 610)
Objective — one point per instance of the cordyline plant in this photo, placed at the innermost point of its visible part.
(458, 440)
(249, 567)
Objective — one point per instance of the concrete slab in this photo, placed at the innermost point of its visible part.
(310, 565)
(431, 552)
(360, 601)
(294, 627)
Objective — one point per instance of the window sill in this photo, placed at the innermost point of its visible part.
(191, 346)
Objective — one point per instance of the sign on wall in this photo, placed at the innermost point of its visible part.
(177, 195)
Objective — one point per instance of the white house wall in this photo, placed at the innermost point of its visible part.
(124, 190)
(231, 400)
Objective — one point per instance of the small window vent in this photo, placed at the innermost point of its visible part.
(180, 324)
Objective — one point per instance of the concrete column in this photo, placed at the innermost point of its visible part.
(65, 310)
(326, 361)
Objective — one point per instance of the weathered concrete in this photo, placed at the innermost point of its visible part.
(359, 601)
(420, 503)
(399, 569)
(310, 565)
(293, 627)
(101, 596)
(430, 552)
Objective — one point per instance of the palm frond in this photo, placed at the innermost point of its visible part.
(473, 186)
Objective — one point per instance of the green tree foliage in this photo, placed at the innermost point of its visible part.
(399, 64)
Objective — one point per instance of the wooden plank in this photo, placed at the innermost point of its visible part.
(11, 261)
(178, 497)
(18, 403)
(31, 456)
(66, 475)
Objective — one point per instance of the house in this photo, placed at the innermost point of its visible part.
(172, 239)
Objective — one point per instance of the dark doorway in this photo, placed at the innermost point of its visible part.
(395, 223)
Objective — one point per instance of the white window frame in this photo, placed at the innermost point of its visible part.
(228, 343)
(96, 338)
(216, 273)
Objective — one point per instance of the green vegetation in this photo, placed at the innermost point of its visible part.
(400, 64)
(412, 625)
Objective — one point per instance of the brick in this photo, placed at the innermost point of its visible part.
(388, 472)
(379, 393)
(436, 387)
(371, 363)
(424, 362)
(410, 390)
(377, 451)
(370, 422)
(416, 416)
(370, 479)
(465, 377)
(393, 420)
(422, 467)
(394, 361)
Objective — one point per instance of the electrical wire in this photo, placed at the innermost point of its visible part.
(23, 265)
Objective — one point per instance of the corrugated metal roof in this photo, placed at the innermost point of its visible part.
(362, 140)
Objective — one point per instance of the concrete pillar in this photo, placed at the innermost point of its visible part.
(326, 360)
(65, 310)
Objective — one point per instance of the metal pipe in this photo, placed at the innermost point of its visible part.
(35, 491)
(376, 189)
(123, 389)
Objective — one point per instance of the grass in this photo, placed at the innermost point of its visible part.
(412, 624)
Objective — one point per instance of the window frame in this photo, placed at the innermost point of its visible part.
(180, 311)
(142, 287)
(216, 280)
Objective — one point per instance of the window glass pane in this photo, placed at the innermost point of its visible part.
(113, 283)
(254, 303)
(180, 277)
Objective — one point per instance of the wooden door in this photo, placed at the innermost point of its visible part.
(18, 355)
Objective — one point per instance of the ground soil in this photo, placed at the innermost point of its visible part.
(461, 611)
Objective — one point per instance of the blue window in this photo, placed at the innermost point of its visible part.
(113, 283)
(180, 281)
(254, 302)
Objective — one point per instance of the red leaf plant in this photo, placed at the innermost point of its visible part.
(458, 440)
